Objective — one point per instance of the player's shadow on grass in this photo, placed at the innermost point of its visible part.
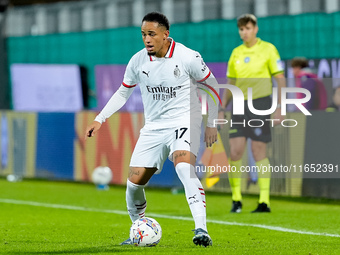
(91, 250)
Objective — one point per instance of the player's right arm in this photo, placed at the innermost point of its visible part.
(117, 100)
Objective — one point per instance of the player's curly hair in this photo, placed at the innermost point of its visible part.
(157, 17)
(245, 18)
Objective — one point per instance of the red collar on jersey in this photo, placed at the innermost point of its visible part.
(170, 51)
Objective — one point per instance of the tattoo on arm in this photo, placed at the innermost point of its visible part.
(180, 155)
(132, 173)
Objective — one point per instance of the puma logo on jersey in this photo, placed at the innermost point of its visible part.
(146, 73)
(193, 197)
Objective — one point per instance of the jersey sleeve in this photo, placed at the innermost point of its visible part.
(130, 77)
(275, 63)
(231, 67)
(116, 102)
(198, 68)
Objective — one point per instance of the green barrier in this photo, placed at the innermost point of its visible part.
(310, 35)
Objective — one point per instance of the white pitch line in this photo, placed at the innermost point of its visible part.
(80, 208)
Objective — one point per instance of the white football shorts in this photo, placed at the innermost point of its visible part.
(154, 146)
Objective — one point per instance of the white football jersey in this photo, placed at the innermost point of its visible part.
(169, 96)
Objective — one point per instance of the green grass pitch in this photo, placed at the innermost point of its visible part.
(40, 217)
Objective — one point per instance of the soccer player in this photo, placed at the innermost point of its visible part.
(164, 70)
(252, 64)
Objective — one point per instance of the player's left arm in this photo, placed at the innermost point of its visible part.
(210, 135)
(201, 73)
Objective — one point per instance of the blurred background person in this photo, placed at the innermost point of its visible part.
(307, 79)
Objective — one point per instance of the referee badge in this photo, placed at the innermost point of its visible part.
(177, 72)
(247, 59)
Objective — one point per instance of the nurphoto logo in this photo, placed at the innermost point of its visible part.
(238, 105)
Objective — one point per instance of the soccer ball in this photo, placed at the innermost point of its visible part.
(102, 175)
(145, 232)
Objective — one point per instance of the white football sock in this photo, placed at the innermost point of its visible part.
(135, 200)
(194, 193)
